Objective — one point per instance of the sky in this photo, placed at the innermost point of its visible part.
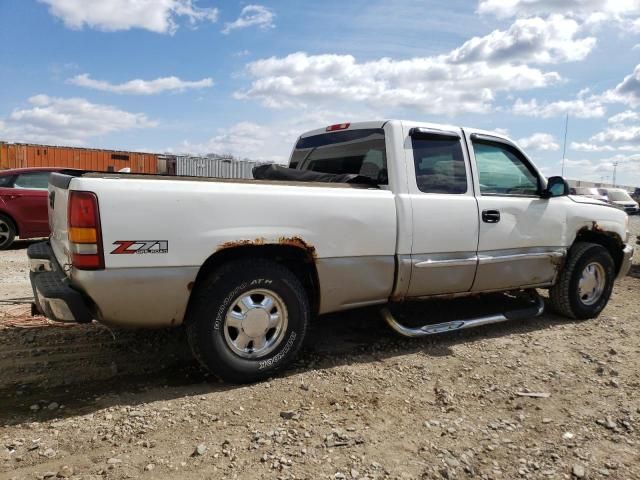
(214, 76)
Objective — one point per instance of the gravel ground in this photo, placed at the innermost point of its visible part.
(546, 398)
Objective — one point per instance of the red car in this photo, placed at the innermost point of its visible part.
(23, 203)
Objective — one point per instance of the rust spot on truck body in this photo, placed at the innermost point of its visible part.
(299, 243)
(596, 228)
(241, 243)
(296, 242)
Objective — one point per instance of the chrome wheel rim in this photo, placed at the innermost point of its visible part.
(255, 323)
(591, 283)
(5, 232)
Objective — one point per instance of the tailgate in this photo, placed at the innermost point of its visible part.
(58, 203)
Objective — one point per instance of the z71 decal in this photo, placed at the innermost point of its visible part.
(140, 246)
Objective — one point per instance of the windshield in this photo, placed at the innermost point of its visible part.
(360, 152)
(618, 196)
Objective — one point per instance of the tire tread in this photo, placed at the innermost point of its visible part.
(560, 293)
(208, 287)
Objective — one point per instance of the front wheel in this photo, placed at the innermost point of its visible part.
(248, 320)
(585, 283)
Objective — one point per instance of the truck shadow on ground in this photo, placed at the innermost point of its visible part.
(89, 367)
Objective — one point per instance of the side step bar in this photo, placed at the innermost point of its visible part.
(535, 310)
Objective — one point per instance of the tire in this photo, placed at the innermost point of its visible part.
(7, 232)
(567, 296)
(234, 295)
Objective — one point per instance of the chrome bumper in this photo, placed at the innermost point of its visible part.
(627, 256)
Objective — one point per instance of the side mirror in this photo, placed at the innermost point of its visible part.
(556, 187)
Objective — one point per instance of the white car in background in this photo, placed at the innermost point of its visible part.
(591, 192)
(620, 198)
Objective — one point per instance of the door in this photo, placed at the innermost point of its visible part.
(27, 203)
(521, 233)
(444, 213)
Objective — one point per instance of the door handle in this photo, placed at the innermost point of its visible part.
(490, 216)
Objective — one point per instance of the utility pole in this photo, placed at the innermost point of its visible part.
(615, 167)
(564, 148)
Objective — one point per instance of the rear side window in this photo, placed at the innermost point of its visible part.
(359, 152)
(6, 181)
(35, 180)
(439, 163)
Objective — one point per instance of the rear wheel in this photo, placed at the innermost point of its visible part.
(248, 320)
(585, 283)
(7, 232)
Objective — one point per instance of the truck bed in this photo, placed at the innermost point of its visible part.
(351, 230)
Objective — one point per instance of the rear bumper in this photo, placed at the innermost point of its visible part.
(53, 295)
(627, 256)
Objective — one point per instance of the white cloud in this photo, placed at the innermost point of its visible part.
(577, 163)
(586, 105)
(537, 40)
(160, 16)
(580, 107)
(429, 84)
(242, 140)
(619, 133)
(251, 16)
(141, 87)
(539, 141)
(69, 121)
(625, 116)
(466, 79)
(582, 8)
(627, 91)
(268, 142)
(590, 147)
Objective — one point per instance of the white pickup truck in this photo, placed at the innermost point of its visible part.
(437, 210)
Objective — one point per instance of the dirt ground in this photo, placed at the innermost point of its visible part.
(545, 398)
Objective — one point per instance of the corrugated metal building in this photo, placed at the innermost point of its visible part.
(21, 155)
(216, 167)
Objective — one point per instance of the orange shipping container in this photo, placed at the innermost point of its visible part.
(21, 155)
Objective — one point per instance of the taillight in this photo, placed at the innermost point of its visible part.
(85, 237)
(338, 126)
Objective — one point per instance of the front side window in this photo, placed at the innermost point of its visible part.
(439, 164)
(360, 152)
(502, 170)
(34, 181)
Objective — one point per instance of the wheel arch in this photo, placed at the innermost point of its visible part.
(293, 254)
(16, 225)
(609, 240)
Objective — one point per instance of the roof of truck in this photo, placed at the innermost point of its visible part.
(381, 124)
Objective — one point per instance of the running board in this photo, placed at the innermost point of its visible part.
(535, 310)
